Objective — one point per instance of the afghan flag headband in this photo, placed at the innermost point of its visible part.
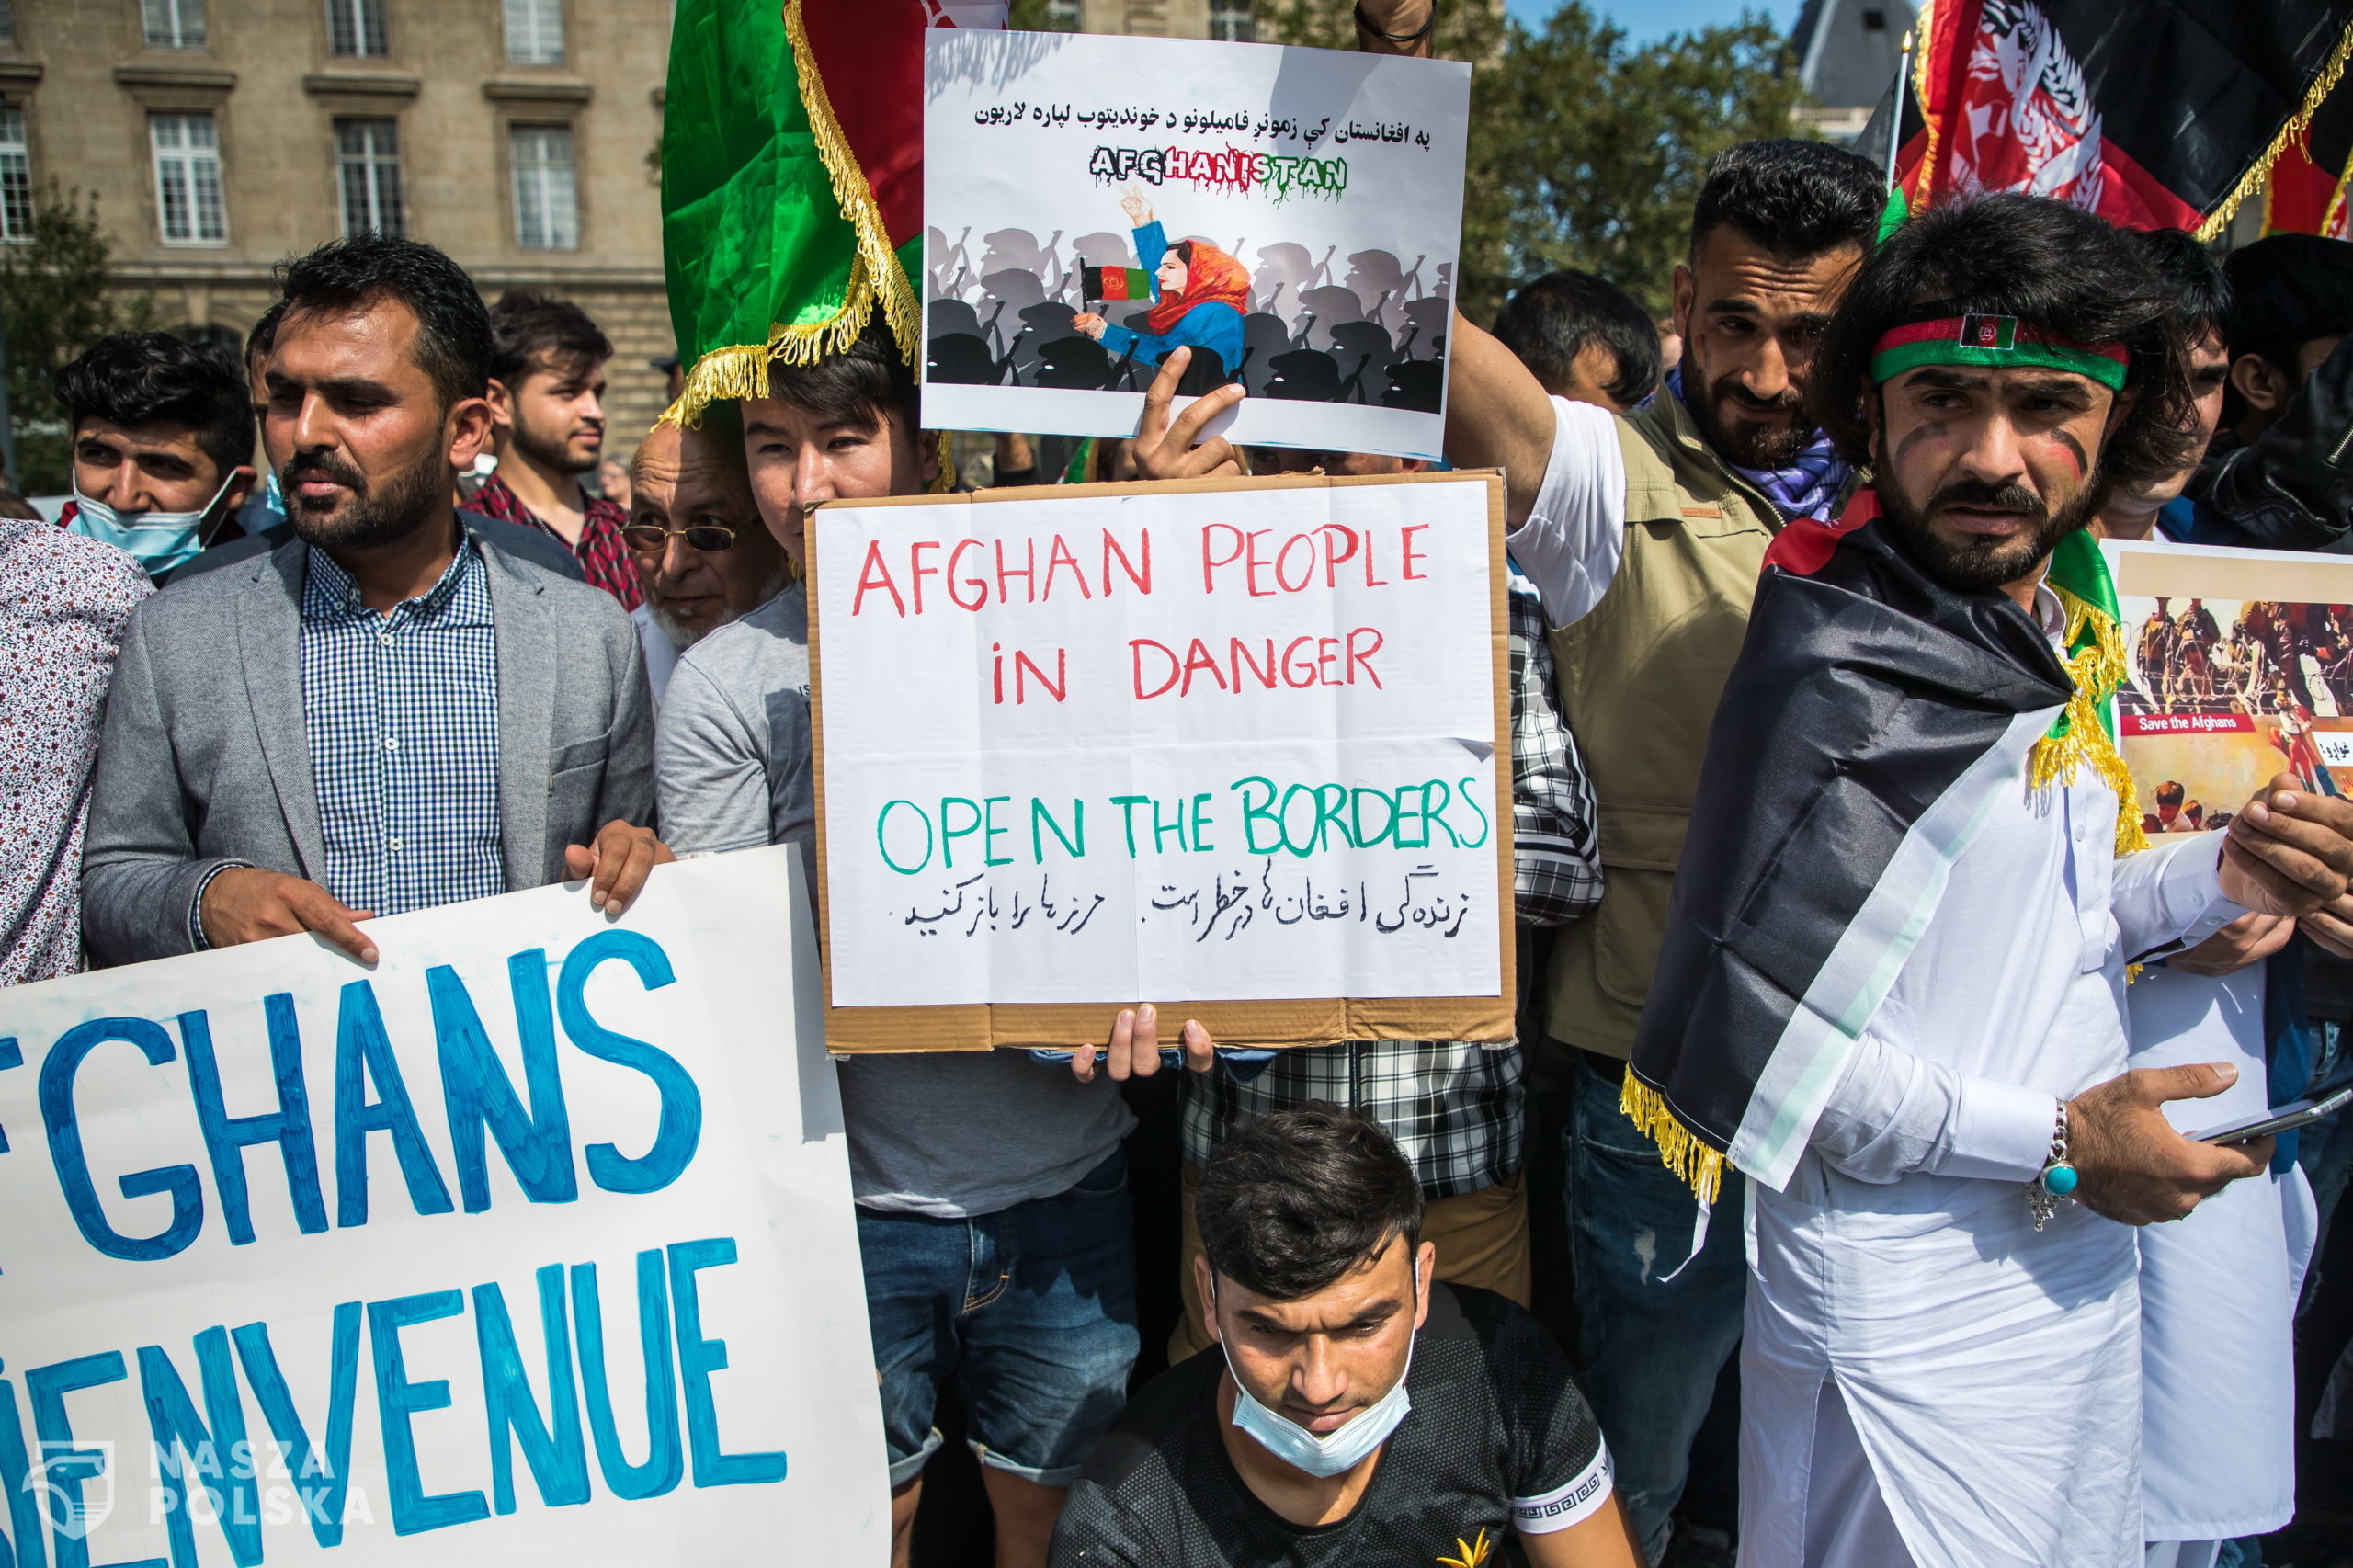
(1998, 342)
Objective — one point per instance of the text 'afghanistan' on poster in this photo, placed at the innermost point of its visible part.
(1094, 203)
(1225, 745)
(533, 1243)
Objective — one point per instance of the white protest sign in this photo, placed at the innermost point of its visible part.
(1093, 202)
(532, 1245)
(1223, 743)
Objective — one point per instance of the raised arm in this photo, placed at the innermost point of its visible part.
(1498, 415)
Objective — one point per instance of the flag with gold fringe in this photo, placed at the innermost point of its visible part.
(1871, 717)
(2153, 113)
(793, 180)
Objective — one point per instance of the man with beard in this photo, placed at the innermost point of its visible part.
(1892, 985)
(547, 391)
(388, 731)
(702, 554)
(1645, 535)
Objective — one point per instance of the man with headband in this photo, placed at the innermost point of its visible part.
(1891, 990)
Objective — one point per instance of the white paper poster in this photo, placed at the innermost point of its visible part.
(1236, 745)
(531, 1244)
(1094, 202)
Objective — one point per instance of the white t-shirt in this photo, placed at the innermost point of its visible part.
(1576, 534)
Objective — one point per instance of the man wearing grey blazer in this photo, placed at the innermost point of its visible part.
(388, 711)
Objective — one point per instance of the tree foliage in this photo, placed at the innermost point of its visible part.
(1587, 150)
(53, 304)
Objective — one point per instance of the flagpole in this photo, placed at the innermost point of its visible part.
(1895, 106)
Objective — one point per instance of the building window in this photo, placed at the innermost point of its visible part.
(1229, 21)
(1062, 16)
(16, 178)
(535, 32)
(172, 24)
(368, 176)
(7, 21)
(356, 29)
(1874, 21)
(188, 179)
(547, 198)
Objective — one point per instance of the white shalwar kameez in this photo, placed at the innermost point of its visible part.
(2218, 1290)
(1925, 1378)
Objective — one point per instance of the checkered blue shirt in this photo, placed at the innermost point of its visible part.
(402, 715)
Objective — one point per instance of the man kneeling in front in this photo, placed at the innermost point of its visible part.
(1352, 1410)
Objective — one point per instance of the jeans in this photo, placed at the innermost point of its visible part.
(2325, 1147)
(1031, 1310)
(1651, 1348)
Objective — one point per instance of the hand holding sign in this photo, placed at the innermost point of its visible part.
(1172, 448)
(246, 904)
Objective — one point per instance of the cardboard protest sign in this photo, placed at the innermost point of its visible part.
(2241, 667)
(1224, 745)
(1093, 202)
(531, 1244)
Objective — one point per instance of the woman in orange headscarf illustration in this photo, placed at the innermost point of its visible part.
(1199, 292)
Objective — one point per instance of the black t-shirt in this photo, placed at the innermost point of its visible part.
(1499, 1438)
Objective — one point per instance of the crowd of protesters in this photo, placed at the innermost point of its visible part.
(1413, 1282)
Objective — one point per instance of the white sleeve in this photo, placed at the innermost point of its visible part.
(1893, 1113)
(1571, 1502)
(1576, 534)
(2170, 896)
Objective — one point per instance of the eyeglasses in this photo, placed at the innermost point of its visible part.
(709, 538)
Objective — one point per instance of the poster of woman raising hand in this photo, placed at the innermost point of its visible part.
(1291, 220)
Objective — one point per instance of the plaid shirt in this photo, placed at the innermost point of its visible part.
(402, 715)
(1454, 1107)
(604, 554)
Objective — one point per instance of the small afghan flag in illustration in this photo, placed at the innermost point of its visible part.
(2306, 195)
(1117, 283)
(2156, 114)
(793, 180)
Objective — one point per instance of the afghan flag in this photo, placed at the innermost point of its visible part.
(1873, 717)
(2306, 195)
(2156, 114)
(793, 180)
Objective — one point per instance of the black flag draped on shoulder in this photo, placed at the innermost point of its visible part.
(1872, 717)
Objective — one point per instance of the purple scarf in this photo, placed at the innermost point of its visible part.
(1809, 487)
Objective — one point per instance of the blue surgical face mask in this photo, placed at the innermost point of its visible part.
(1343, 1448)
(157, 540)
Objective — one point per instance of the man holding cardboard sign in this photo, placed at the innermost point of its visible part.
(992, 1201)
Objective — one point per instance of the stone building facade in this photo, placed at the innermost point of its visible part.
(220, 137)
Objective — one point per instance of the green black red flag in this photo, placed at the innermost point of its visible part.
(2307, 191)
(2153, 113)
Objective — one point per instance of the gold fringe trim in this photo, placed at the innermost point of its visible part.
(1925, 23)
(1679, 1150)
(2096, 672)
(2336, 206)
(2261, 169)
(741, 370)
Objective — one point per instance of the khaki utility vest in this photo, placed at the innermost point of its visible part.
(1639, 679)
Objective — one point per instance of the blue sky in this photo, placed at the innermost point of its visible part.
(1647, 19)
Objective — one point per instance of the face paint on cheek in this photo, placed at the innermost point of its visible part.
(2070, 451)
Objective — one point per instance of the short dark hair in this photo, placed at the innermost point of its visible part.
(1298, 1197)
(2188, 271)
(1548, 323)
(1793, 197)
(533, 331)
(150, 377)
(2051, 266)
(858, 385)
(265, 331)
(2285, 291)
(453, 335)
